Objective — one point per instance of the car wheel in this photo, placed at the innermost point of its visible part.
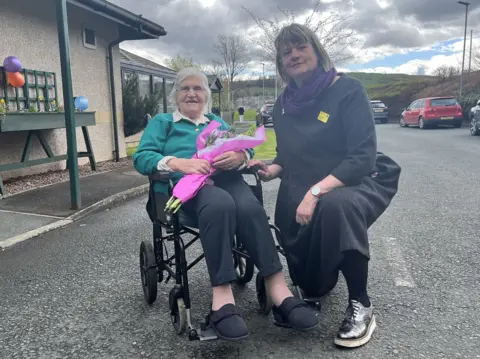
(474, 127)
(421, 123)
(402, 122)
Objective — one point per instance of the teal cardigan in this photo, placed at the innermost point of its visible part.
(164, 137)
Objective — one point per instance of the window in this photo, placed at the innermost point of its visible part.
(168, 88)
(89, 38)
(158, 87)
(421, 104)
(143, 85)
(443, 102)
(378, 105)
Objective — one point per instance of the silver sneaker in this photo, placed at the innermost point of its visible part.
(357, 326)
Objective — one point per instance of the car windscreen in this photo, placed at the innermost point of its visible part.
(378, 105)
(443, 102)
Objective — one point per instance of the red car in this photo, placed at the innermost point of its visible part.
(433, 111)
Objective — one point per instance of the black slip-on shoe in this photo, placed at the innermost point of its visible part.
(295, 313)
(227, 323)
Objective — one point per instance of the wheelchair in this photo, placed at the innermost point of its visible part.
(155, 261)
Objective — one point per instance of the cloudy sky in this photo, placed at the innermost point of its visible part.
(395, 36)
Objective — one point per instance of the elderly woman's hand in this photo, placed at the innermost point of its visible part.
(189, 166)
(229, 160)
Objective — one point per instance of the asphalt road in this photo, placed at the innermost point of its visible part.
(75, 292)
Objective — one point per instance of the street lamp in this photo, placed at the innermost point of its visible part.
(263, 79)
(466, 4)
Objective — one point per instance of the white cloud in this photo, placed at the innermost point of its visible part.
(451, 55)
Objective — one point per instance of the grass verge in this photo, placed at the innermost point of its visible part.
(265, 151)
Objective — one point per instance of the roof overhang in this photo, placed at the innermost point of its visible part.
(141, 68)
(215, 84)
(134, 27)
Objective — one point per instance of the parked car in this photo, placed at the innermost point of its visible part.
(264, 116)
(473, 110)
(433, 111)
(380, 111)
(475, 120)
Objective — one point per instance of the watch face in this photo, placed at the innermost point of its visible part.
(316, 190)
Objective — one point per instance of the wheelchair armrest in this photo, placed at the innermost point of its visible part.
(161, 176)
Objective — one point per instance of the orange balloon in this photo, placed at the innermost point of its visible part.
(16, 79)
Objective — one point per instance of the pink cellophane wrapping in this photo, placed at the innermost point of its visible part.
(189, 185)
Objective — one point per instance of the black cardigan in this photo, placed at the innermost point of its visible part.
(334, 136)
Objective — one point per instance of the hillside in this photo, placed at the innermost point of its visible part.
(397, 91)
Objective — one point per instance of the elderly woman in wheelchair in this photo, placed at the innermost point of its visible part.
(225, 211)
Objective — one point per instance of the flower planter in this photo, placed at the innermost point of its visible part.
(31, 121)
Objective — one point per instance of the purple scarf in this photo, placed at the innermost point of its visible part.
(295, 100)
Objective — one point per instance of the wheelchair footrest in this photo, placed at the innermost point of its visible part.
(207, 334)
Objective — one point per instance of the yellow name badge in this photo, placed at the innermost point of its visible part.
(323, 116)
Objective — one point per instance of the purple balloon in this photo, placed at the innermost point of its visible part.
(12, 64)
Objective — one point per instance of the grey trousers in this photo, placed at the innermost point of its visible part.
(226, 209)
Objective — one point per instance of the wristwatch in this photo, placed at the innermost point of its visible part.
(316, 191)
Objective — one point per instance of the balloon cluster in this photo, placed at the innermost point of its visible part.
(13, 66)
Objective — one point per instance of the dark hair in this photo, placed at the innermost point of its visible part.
(299, 34)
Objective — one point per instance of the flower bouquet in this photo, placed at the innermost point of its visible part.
(211, 143)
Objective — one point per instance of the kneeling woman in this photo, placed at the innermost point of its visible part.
(223, 210)
(334, 184)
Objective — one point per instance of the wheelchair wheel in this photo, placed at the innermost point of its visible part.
(148, 272)
(263, 298)
(179, 316)
(244, 268)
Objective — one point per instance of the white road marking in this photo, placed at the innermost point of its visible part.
(31, 214)
(402, 276)
(5, 243)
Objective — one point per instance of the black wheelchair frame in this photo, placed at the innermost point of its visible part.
(154, 260)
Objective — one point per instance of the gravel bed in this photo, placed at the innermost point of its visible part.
(21, 184)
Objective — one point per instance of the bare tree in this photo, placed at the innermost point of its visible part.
(475, 59)
(217, 69)
(331, 28)
(234, 55)
(445, 72)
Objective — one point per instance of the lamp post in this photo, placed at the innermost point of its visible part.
(263, 80)
(470, 57)
(466, 4)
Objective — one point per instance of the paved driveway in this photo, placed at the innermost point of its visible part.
(75, 292)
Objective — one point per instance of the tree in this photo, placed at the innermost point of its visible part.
(217, 69)
(178, 63)
(234, 55)
(234, 58)
(475, 59)
(445, 72)
(331, 28)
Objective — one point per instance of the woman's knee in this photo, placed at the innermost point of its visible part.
(218, 204)
(338, 202)
(249, 207)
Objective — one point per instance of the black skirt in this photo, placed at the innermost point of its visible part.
(340, 223)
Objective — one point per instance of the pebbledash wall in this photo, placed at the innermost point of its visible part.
(29, 32)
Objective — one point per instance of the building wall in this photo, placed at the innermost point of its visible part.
(29, 31)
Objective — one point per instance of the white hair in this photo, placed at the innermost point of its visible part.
(182, 76)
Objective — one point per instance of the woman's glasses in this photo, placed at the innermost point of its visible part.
(196, 89)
